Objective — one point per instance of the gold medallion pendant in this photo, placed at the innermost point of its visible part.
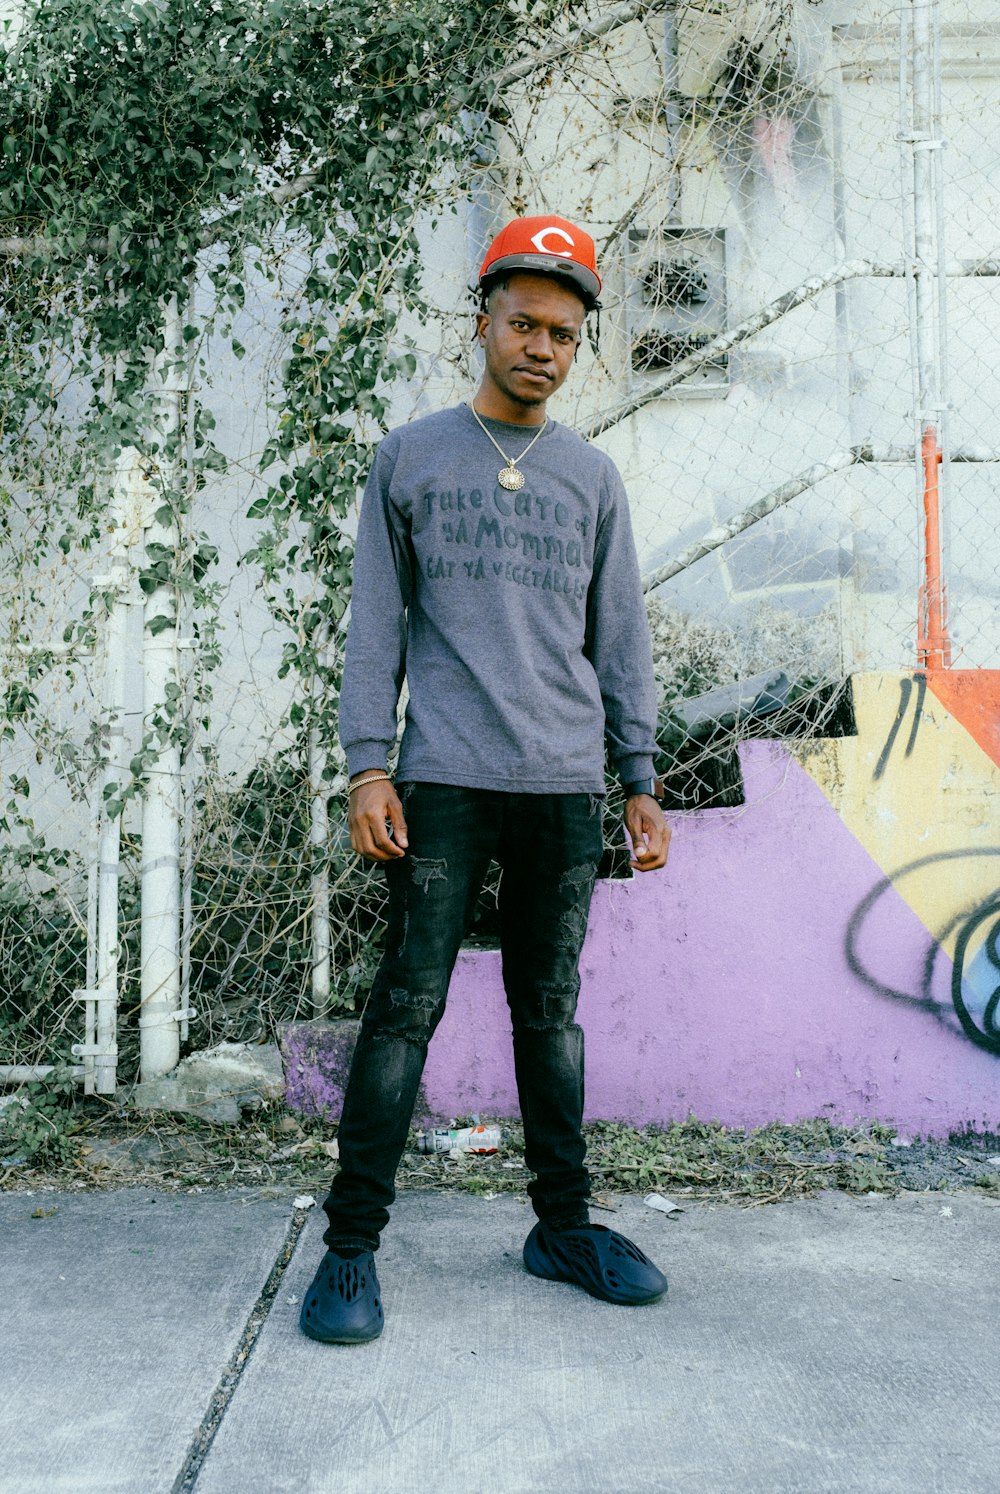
(510, 478)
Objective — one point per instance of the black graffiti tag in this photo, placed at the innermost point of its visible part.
(974, 936)
(905, 691)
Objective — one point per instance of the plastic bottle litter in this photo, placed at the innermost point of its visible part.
(481, 1139)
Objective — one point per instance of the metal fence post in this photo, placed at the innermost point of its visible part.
(920, 132)
(124, 496)
(319, 839)
(162, 696)
(99, 1049)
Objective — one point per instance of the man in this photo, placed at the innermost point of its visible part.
(495, 569)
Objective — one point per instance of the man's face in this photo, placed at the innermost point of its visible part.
(529, 335)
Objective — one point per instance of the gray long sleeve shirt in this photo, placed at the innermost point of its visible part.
(517, 619)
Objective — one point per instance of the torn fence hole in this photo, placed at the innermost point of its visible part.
(665, 1205)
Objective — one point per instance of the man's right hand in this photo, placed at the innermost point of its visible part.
(373, 809)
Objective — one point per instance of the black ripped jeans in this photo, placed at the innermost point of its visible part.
(549, 847)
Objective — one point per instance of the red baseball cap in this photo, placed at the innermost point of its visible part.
(545, 245)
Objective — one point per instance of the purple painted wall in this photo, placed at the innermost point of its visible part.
(773, 971)
(722, 986)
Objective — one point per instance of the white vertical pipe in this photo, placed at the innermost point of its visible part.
(923, 145)
(161, 809)
(907, 199)
(97, 817)
(941, 268)
(187, 882)
(187, 767)
(319, 839)
(100, 995)
(123, 497)
(93, 885)
(924, 138)
(672, 116)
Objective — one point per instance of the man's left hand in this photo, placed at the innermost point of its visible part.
(648, 831)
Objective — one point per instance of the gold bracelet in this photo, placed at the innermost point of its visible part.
(373, 778)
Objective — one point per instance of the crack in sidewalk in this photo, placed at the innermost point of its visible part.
(231, 1376)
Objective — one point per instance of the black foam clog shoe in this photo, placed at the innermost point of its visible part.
(344, 1303)
(600, 1260)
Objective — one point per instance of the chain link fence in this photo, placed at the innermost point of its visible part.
(795, 208)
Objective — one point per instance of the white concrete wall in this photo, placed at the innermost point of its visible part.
(835, 372)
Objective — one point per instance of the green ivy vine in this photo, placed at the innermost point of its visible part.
(151, 148)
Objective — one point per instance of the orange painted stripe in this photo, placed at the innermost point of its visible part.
(972, 696)
(933, 643)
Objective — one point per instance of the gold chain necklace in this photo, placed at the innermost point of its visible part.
(509, 477)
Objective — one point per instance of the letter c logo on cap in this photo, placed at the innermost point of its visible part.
(539, 242)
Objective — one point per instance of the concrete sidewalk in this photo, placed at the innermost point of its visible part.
(150, 1345)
